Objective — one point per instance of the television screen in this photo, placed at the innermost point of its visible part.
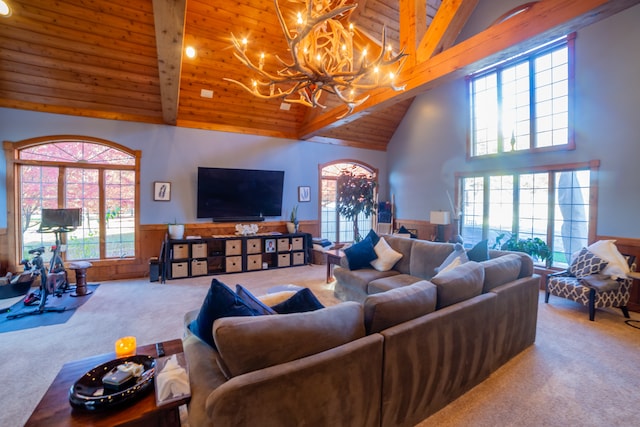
(60, 218)
(239, 194)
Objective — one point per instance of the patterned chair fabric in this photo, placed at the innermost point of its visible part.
(565, 285)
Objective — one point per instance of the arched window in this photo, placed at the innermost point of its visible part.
(333, 226)
(60, 172)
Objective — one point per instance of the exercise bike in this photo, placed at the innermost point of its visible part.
(53, 280)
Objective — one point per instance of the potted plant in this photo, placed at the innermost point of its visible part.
(356, 195)
(292, 225)
(176, 231)
(535, 247)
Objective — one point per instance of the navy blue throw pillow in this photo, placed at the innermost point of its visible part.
(480, 252)
(360, 254)
(301, 301)
(373, 236)
(252, 301)
(219, 302)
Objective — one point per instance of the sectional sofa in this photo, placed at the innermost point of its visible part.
(392, 359)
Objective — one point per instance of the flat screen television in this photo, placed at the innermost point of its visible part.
(239, 194)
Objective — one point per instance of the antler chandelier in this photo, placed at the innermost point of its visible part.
(323, 58)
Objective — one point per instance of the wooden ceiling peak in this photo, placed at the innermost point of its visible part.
(124, 60)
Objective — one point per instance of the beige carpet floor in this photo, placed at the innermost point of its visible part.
(578, 373)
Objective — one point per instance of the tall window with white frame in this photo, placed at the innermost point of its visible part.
(523, 103)
(333, 226)
(553, 204)
(91, 175)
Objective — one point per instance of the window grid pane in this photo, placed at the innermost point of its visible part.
(571, 225)
(485, 114)
(508, 99)
(119, 213)
(500, 206)
(82, 190)
(38, 189)
(473, 208)
(533, 207)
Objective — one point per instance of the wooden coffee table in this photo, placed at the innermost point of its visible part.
(55, 410)
(333, 258)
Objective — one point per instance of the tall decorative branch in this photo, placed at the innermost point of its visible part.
(322, 59)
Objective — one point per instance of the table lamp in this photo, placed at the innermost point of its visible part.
(440, 219)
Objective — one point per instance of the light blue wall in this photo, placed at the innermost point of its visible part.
(173, 154)
(429, 146)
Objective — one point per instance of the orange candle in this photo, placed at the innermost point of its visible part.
(125, 346)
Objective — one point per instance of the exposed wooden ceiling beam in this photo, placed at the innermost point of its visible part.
(413, 25)
(443, 31)
(543, 22)
(169, 18)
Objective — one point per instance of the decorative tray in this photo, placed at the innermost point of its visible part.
(90, 394)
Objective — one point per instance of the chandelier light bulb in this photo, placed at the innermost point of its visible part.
(300, 21)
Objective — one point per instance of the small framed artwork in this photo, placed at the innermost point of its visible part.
(304, 194)
(270, 245)
(161, 191)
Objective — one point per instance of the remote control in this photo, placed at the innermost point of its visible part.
(160, 349)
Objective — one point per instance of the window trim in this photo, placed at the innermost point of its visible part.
(593, 166)
(569, 40)
(12, 149)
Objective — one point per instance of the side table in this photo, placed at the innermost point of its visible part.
(55, 410)
(333, 258)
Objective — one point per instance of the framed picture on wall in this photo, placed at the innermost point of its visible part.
(161, 191)
(304, 194)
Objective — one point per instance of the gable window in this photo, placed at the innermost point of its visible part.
(555, 204)
(523, 103)
(333, 226)
(94, 175)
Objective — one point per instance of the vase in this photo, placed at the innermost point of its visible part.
(176, 231)
(291, 227)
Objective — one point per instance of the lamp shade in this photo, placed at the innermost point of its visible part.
(440, 218)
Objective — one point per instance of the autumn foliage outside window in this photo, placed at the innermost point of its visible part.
(91, 175)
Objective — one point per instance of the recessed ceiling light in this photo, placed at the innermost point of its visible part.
(285, 106)
(190, 51)
(5, 10)
(206, 93)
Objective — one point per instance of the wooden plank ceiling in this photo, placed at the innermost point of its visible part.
(123, 60)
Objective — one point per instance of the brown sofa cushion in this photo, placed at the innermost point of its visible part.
(501, 270)
(247, 344)
(386, 309)
(459, 284)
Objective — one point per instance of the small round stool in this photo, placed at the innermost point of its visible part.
(80, 267)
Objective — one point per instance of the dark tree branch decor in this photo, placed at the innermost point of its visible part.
(356, 195)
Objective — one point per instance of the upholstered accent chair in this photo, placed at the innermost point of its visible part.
(593, 291)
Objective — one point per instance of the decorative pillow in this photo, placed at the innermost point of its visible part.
(459, 284)
(253, 301)
(455, 258)
(373, 236)
(387, 257)
(246, 344)
(360, 255)
(301, 301)
(607, 250)
(480, 252)
(219, 302)
(276, 297)
(586, 263)
(403, 230)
